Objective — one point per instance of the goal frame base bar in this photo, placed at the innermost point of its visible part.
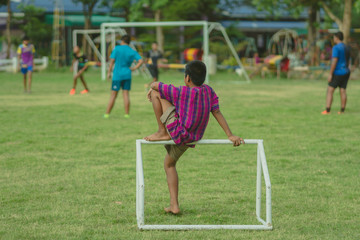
(204, 227)
(262, 170)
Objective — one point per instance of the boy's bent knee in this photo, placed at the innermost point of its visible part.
(155, 94)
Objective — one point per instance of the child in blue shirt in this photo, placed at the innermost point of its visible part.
(121, 59)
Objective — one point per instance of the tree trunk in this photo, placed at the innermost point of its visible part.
(88, 11)
(332, 15)
(159, 31)
(345, 24)
(347, 20)
(8, 34)
(87, 48)
(84, 45)
(312, 34)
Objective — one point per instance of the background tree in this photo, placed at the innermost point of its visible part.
(155, 7)
(295, 8)
(35, 28)
(171, 10)
(118, 5)
(88, 8)
(8, 22)
(344, 24)
(313, 8)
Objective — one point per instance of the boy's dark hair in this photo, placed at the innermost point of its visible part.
(339, 35)
(125, 39)
(196, 70)
(155, 43)
(26, 38)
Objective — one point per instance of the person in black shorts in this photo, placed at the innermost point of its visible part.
(153, 57)
(82, 65)
(339, 73)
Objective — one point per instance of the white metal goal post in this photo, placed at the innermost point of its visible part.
(262, 170)
(112, 38)
(208, 27)
(86, 34)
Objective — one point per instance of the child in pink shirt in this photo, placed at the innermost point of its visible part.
(182, 114)
(26, 53)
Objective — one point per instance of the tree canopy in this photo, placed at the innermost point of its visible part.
(34, 25)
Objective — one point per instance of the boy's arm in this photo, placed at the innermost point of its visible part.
(153, 86)
(85, 66)
(19, 62)
(83, 69)
(72, 64)
(111, 65)
(222, 122)
(140, 61)
(163, 60)
(332, 68)
(19, 58)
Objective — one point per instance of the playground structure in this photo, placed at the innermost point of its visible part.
(250, 47)
(283, 49)
(284, 42)
(262, 170)
(208, 27)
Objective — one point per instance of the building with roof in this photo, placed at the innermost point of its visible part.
(73, 17)
(259, 25)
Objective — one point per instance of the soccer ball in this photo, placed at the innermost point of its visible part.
(239, 71)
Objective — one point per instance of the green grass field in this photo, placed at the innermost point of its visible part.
(67, 173)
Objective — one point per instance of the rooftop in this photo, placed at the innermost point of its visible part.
(49, 5)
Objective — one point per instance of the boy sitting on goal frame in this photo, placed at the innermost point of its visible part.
(182, 114)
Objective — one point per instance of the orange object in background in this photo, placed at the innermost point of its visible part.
(272, 59)
(191, 54)
(278, 60)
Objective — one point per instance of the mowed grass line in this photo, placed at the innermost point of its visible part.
(66, 173)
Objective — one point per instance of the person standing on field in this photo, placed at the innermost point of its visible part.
(153, 58)
(339, 73)
(82, 65)
(121, 59)
(26, 62)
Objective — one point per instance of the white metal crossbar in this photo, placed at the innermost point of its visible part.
(262, 170)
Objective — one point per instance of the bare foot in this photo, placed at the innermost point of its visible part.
(158, 136)
(172, 210)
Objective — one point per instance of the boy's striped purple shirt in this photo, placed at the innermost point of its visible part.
(193, 107)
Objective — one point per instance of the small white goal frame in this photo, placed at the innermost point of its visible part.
(262, 169)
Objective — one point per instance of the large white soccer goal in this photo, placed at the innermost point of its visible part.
(208, 27)
(262, 170)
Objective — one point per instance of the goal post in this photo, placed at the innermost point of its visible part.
(86, 33)
(207, 27)
(262, 170)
